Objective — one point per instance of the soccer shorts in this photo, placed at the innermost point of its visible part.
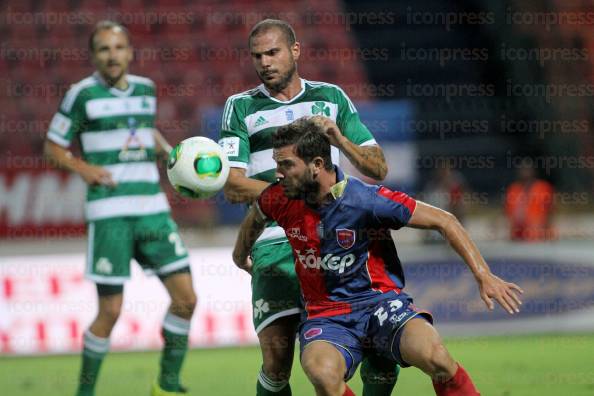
(275, 287)
(373, 329)
(153, 241)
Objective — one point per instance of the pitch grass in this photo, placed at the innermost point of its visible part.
(500, 366)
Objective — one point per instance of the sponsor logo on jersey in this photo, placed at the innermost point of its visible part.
(132, 142)
(295, 233)
(345, 237)
(260, 121)
(230, 146)
(329, 262)
(311, 333)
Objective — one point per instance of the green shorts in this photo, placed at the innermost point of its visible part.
(275, 288)
(152, 240)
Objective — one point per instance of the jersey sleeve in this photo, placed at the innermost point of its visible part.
(349, 122)
(234, 138)
(272, 202)
(392, 209)
(69, 120)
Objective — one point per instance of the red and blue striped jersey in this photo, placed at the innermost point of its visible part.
(344, 252)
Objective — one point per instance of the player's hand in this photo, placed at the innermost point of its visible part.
(505, 293)
(330, 129)
(96, 175)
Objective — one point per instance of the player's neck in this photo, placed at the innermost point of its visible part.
(121, 83)
(290, 91)
(327, 180)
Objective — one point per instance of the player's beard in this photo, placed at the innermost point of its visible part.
(310, 190)
(284, 80)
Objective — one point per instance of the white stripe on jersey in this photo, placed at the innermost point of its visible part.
(263, 119)
(116, 139)
(134, 172)
(127, 205)
(111, 107)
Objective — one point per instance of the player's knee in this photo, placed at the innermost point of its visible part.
(184, 306)
(110, 313)
(439, 360)
(323, 373)
(277, 369)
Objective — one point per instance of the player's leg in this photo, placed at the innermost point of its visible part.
(325, 367)
(379, 375)
(421, 346)
(331, 350)
(277, 343)
(176, 327)
(108, 264)
(275, 301)
(159, 248)
(96, 338)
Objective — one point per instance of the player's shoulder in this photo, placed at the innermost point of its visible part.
(273, 190)
(243, 96)
(324, 86)
(273, 201)
(135, 79)
(76, 90)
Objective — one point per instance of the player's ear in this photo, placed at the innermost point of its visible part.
(296, 50)
(317, 165)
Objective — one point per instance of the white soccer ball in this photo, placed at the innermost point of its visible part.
(197, 167)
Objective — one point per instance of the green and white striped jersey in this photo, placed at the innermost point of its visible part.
(115, 130)
(250, 118)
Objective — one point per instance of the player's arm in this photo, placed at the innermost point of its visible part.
(162, 146)
(250, 229)
(242, 189)
(490, 286)
(369, 160)
(62, 158)
(67, 123)
(235, 142)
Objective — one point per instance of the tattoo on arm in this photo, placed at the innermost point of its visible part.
(373, 161)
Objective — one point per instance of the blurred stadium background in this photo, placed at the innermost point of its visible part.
(461, 95)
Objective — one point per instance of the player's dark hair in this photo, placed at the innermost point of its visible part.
(309, 140)
(268, 24)
(106, 25)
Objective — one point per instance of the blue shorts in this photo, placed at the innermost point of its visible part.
(374, 329)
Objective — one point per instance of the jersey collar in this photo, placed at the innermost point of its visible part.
(337, 190)
(263, 89)
(113, 90)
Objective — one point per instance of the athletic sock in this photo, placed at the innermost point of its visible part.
(379, 376)
(175, 336)
(94, 350)
(348, 392)
(267, 387)
(459, 385)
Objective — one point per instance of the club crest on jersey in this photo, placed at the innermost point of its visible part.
(345, 237)
(311, 333)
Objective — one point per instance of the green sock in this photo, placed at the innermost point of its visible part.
(94, 350)
(379, 376)
(267, 387)
(175, 335)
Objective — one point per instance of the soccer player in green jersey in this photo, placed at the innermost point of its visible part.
(112, 115)
(249, 119)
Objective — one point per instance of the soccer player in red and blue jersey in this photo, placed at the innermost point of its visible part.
(350, 275)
